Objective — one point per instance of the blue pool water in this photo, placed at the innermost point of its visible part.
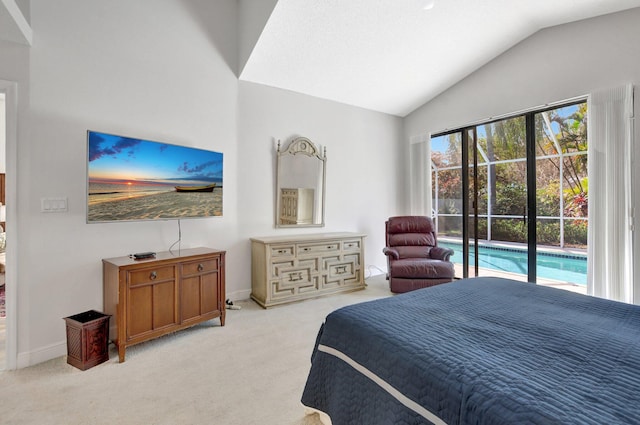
(566, 268)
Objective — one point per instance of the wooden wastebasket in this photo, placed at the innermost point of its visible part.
(87, 339)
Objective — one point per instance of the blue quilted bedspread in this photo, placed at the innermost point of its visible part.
(479, 351)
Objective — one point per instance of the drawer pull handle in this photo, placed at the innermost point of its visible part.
(153, 275)
(341, 269)
(306, 249)
(200, 267)
(282, 251)
(298, 277)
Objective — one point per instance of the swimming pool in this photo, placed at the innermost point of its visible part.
(566, 268)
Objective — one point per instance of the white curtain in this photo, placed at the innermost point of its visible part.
(610, 267)
(420, 175)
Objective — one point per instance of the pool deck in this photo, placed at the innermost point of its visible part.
(581, 289)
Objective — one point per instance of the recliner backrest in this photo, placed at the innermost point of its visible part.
(411, 236)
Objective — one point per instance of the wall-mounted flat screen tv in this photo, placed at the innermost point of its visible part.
(133, 179)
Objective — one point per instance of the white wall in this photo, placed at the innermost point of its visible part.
(364, 163)
(554, 64)
(147, 69)
(166, 71)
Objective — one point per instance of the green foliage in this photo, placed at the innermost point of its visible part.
(575, 233)
(548, 232)
(482, 228)
(511, 199)
(504, 139)
(548, 200)
(449, 226)
(515, 230)
(509, 230)
(558, 131)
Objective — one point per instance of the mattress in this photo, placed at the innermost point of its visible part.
(479, 351)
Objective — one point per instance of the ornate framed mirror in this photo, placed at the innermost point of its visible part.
(300, 184)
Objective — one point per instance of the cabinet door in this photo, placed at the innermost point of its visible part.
(152, 301)
(151, 307)
(140, 315)
(209, 301)
(200, 287)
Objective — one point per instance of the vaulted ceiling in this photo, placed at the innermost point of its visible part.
(394, 55)
(385, 55)
(13, 26)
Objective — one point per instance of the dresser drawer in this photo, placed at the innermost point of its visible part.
(295, 277)
(352, 245)
(282, 251)
(197, 267)
(151, 275)
(279, 268)
(342, 270)
(342, 274)
(293, 284)
(317, 248)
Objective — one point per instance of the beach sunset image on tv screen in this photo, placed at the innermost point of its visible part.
(134, 179)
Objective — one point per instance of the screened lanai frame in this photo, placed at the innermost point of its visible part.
(563, 158)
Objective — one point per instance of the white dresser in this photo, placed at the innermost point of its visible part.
(296, 267)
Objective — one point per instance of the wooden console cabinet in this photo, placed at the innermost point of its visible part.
(154, 297)
(293, 268)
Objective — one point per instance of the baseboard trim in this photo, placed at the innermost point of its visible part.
(239, 295)
(41, 355)
(52, 351)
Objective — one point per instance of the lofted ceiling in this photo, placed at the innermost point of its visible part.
(394, 55)
(13, 26)
(390, 56)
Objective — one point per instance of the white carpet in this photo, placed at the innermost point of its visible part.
(251, 371)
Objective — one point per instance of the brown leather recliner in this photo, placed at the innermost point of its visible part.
(414, 259)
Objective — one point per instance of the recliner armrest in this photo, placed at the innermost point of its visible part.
(440, 253)
(391, 253)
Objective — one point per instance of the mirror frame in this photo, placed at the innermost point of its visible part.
(300, 146)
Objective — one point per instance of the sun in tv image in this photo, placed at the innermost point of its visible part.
(134, 179)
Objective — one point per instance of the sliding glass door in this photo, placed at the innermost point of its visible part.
(495, 238)
(509, 196)
(562, 193)
(502, 192)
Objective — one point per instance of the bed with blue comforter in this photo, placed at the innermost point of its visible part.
(479, 351)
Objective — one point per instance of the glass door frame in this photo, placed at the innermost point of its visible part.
(465, 200)
(531, 216)
(531, 209)
(471, 132)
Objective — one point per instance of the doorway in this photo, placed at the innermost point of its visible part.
(9, 160)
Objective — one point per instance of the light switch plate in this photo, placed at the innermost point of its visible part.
(53, 205)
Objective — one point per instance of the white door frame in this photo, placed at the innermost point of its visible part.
(10, 89)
